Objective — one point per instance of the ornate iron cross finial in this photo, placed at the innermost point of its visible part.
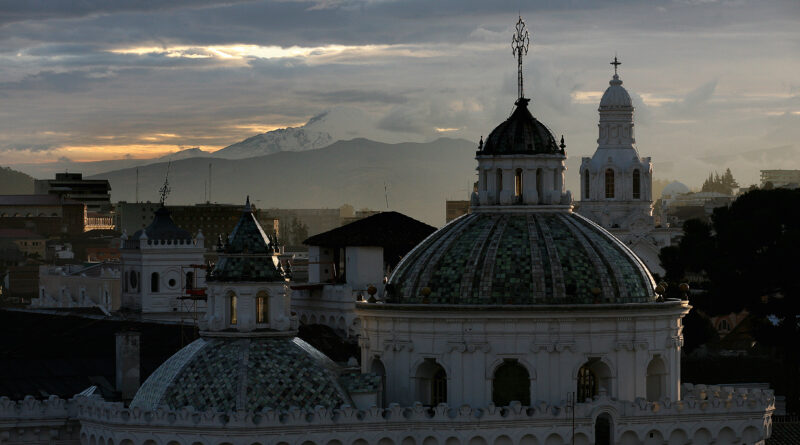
(519, 47)
(165, 188)
(616, 63)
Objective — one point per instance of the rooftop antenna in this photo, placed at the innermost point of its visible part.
(165, 188)
(386, 194)
(519, 47)
(616, 63)
(209, 183)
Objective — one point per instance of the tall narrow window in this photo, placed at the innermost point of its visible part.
(518, 185)
(586, 187)
(189, 280)
(485, 180)
(539, 187)
(262, 310)
(499, 186)
(609, 184)
(154, 282)
(232, 311)
(587, 384)
(439, 387)
(637, 185)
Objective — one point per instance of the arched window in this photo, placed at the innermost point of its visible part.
(518, 186)
(587, 384)
(154, 282)
(609, 184)
(586, 187)
(431, 383)
(602, 430)
(485, 180)
(637, 185)
(232, 309)
(539, 186)
(723, 326)
(498, 186)
(593, 377)
(656, 379)
(262, 307)
(377, 368)
(511, 382)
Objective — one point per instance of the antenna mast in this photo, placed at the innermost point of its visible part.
(137, 185)
(386, 194)
(209, 183)
(165, 188)
(519, 47)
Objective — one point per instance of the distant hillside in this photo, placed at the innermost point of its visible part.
(13, 182)
(419, 177)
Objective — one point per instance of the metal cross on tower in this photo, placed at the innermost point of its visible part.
(165, 188)
(519, 47)
(616, 63)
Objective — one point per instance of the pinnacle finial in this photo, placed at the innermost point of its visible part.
(519, 47)
(247, 207)
(480, 144)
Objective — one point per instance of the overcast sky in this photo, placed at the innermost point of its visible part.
(716, 83)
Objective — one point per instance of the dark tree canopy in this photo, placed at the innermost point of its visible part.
(721, 184)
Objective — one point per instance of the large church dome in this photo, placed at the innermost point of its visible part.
(521, 133)
(521, 258)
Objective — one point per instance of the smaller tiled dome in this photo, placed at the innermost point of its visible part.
(229, 374)
(616, 95)
(521, 133)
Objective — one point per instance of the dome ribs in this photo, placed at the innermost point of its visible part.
(439, 247)
(557, 273)
(475, 257)
(537, 266)
(513, 281)
(487, 274)
(600, 266)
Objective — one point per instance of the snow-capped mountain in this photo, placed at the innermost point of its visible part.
(283, 139)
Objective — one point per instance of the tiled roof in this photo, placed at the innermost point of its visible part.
(355, 382)
(385, 229)
(521, 258)
(227, 374)
(249, 255)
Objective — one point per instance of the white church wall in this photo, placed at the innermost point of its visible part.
(551, 342)
(364, 267)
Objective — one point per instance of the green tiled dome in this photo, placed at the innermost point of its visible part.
(522, 259)
(227, 374)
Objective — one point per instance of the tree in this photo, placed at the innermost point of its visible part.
(724, 184)
(749, 256)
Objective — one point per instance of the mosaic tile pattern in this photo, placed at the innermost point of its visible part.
(244, 373)
(355, 382)
(521, 133)
(521, 258)
(249, 255)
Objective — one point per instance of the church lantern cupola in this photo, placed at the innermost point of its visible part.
(520, 163)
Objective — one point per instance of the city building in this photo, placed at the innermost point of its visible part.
(29, 243)
(616, 182)
(455, 209)
(780, 178)
(78, 286)
(163, 268)
(346, 263)
(95, 193)
(47, 215)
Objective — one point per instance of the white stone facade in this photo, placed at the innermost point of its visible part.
(74, 286)
(522, 179)
(705, 415)
(618, 342)
(155, 274)
(248, 312)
